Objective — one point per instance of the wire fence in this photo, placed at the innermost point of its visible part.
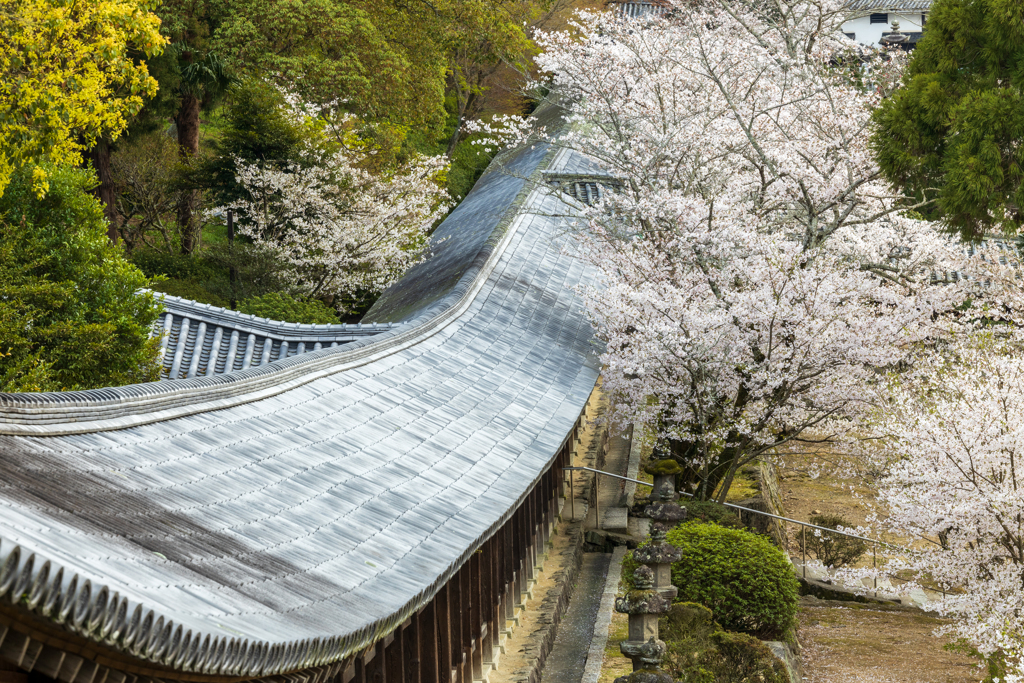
(804, 526)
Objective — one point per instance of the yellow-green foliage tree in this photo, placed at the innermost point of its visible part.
(67, 76)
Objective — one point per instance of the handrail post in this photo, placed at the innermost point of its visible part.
(803, 542)
(874, 565)
(572, 498)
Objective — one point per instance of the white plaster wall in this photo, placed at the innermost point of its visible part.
(870, 34)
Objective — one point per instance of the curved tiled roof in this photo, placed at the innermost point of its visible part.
(286, 516)
(200, 340)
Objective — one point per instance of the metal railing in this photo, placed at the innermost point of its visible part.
(804, 525)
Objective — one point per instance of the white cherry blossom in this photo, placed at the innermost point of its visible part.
(757, 272)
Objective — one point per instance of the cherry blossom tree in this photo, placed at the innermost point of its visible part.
(757, 272)
(341, 229)
(946, 435)
(949, 439)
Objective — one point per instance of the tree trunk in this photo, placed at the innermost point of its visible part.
(187, 123)
(100, 157)
(453, 141)
(714, 472)
(465, 108)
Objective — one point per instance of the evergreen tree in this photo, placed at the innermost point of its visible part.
(954, 133)
(71, 313)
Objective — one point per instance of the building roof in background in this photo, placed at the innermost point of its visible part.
(640, 8)
(889, 5)
(200, 340)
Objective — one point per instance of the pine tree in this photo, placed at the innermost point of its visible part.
(954, 132)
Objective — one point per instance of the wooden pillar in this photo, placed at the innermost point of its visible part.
(509, 569)
(442, 608)
(499, 583)
(466, 615)
(554, 476)
(411, 651)
(530, 538)
(376, 668)
(522, 562)
(455, 614)
(536, 547)
(395, 659)
(426, 630)
(542, 520)
(493, 603)
(360, 668)
(476, 614)
(546, 503)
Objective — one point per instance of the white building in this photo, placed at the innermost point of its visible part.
(874, 18)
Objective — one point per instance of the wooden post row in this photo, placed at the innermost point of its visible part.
(457, 634)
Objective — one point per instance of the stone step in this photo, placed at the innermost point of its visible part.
(615, 519)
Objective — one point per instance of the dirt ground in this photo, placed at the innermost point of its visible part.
(855, 643)
(808, 488)
(805, 494)
(849, 642)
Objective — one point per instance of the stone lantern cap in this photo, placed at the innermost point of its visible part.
(644, 599)
(649, 655)
(666, 512)
(661, 553)
(651, 652)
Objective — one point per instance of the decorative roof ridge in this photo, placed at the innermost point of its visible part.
(868, 5)
(267, 327)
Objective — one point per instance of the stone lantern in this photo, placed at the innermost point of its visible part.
(644, 605)
(653, 590)
(896, 37)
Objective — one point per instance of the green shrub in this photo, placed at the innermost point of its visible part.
(71, 315)
(745, 580)
(834, 550)
(258, 271)
(279, 306)
(468, 163)
(699, 652)
(177, 266)
(713, 513)
(740, 658)
(687, 631)
(188, 289)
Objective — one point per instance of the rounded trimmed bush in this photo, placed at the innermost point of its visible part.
(740, 576)
(712, 512)
(278, 306)
(739, 658)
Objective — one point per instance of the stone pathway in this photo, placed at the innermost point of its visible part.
(574, 643)
(568, 657)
